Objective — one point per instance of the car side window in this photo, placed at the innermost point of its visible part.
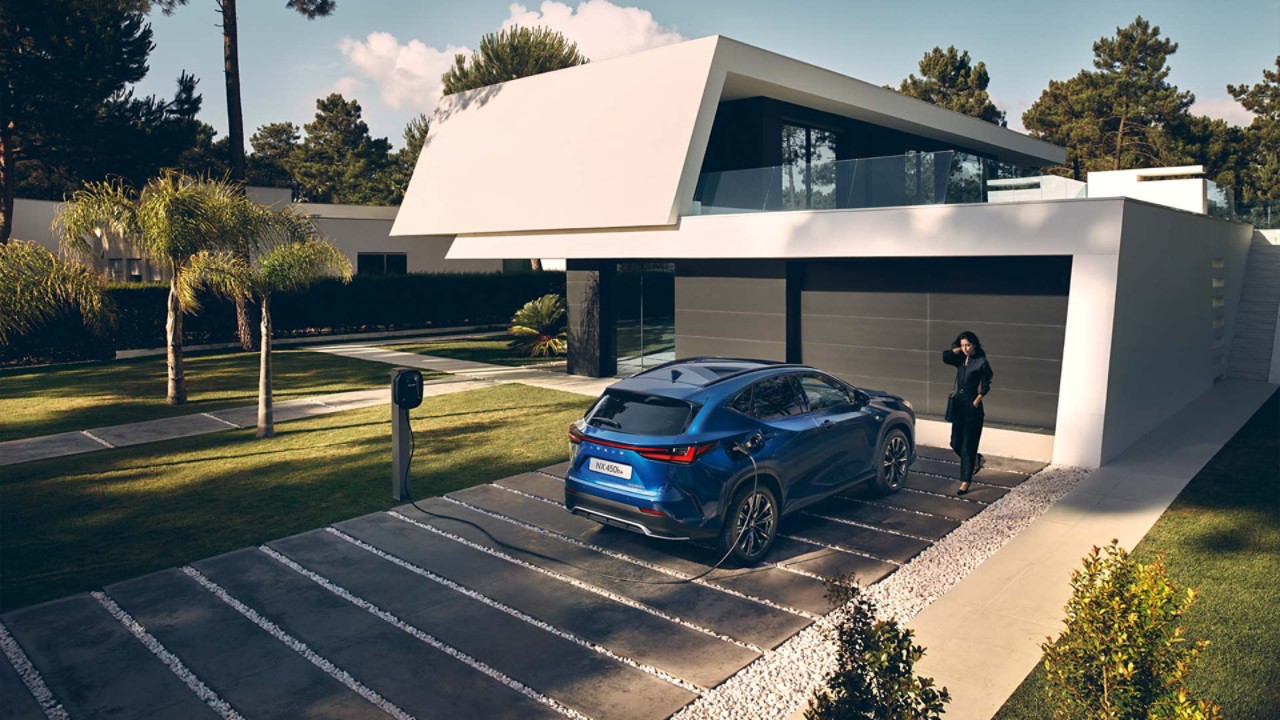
(776, 397)
(742, 403)
(823, 393)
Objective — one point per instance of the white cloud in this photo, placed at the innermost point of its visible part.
(600, 28)
(1224, 109)
(407, 76)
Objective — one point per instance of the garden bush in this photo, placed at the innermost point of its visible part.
(538, 328)
(1123, 655)
(875, 677)
(370, 303)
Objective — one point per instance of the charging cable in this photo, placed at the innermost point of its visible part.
(755, 484)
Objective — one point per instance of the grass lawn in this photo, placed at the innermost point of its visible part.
(79, 523)
(485, 350)
(1222, 537)
(47, 400)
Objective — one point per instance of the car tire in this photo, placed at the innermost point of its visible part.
(757, 507)
(893, 459)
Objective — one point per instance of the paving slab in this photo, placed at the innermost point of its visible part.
(800, 592)
(94, 667)
(16, 701)
(256, 673)
(989, 475)
(979, 491)
(163, 429)
(281, 412)
(415, 676)
(877, 544)
(581, 678)
(905, 499)
(827, 563)
(560, 470)
(44, 447)
(686, 653)
(537, 484)
(736, 617)
(999, 462)
(929, 527)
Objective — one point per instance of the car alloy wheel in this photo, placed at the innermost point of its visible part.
(754, 525)
(895, 460)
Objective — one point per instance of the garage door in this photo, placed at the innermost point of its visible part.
(882, 324)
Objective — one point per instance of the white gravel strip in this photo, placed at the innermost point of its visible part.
(577, 583)
(298, 646)
(541, 624)
(31, 677)
(427, 638)
(97, 439)
(171, 661)
(781, 683)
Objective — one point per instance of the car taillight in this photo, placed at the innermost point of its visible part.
(575, 435)
(650, 511)
(684, 454)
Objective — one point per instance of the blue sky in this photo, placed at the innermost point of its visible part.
(388, 54)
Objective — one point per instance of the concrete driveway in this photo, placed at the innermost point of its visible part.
(509, 607)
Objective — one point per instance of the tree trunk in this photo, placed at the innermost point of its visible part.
(1119, 140)
(177, 394)
(535, 263)
(266, 419)
(7, 180)
(231, 64)
(235, 138)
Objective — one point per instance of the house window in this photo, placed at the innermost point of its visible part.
(808, 168)
(133, 272)
(115, 268)
(382, 263)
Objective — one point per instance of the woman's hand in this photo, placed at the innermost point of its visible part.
(957, 350)
(977, 400)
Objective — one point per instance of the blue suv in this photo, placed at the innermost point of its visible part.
(669, 452)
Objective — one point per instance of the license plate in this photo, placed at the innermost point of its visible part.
(617, 470)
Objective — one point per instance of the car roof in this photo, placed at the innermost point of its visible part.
(688, 376)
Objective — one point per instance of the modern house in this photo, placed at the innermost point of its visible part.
(713, 198)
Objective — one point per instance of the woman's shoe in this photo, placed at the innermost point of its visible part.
(964, 488)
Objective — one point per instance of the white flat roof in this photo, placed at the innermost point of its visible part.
(620, 143)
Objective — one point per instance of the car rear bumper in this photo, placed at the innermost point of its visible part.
(580, 501)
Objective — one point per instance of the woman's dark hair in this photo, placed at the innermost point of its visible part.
(973, 340)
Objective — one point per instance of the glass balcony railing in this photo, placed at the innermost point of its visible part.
(897, 180)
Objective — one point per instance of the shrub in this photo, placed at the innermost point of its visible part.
(539, 327)
(1123, 655)
(875, 678)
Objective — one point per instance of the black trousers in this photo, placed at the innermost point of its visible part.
(966, 432)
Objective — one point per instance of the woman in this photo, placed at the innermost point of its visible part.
(973, 382)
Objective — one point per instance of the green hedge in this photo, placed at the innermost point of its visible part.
(369, 303)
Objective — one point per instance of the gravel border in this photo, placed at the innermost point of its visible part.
(782, 682)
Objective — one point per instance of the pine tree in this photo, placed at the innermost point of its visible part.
(1262, 137)
(339, 162)
(1118, 115)
(948, 79)
(274, 148)
(513, 53)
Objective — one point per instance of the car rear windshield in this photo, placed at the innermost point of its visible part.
(639, 414)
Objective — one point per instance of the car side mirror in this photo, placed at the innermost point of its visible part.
(861, 399)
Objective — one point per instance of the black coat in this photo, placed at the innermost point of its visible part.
(972, 379)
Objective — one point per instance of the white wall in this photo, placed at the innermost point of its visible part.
(1161, 355)
(1183, 193)
(1033, 189)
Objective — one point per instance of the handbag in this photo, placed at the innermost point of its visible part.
(949, 415)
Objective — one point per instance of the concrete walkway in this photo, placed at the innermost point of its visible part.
(44, 447)
(983, 637)
(469, 369)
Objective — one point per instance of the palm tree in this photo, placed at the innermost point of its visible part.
(292, 258)
(170, 221)
(36, 286)
(538, 328)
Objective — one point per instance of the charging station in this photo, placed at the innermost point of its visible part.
(406, 394)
